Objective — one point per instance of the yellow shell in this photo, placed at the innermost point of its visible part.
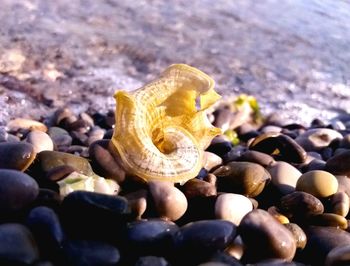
(162, 129)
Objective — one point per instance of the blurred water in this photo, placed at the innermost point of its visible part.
(293, 55)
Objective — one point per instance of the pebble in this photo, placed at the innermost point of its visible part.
(170, 203)
(17, 191)
(340, 204)
(281, 146)
(343, 184)
(94, 216)
(256, 157)
(339, 164)
(23, 123)
(220, 148)
(317, 138)
(150, 237)
(198, 188)
(138, 202)
(318, 183)
(232, 207)
(244, 178)
(90, 253)
(44, 223)
(284, 176)
(211, 160)
(17, 245)
(330, 219)
(16, 155)
(51, 159)
(199, 240)
(300, 205)
(338, 256)
(40, 141)
(274, 241)
(95, 134)
(151, 261)
(104, 163)
(298, 233)
(321, 240)
(60, 137)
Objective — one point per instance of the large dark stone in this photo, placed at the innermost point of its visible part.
(17, 245)
(16, 155)
(94, 216)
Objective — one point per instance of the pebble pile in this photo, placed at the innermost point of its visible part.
(278, 197)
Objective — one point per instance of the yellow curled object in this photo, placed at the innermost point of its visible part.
(162, 129)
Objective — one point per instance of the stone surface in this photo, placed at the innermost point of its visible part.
(40, 141)
(17, 191)
(318, 183)
(16, 155)
(265, 238)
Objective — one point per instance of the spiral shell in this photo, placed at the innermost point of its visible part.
(162, 129)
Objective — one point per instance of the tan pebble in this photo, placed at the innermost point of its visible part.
(23, 123)
(211, 160)
(284, 176)
(137, 202)
(232, 207)
(277, 215)
(169, 201)
(330, 219)
(318, 183)
(40, 141)
(340, 203)
(317, 138)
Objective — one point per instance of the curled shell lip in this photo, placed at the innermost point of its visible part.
(162, 129)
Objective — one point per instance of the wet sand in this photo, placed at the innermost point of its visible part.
(292, 56)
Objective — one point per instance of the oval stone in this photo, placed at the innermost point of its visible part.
(330, 219)
(46, 227)
(340, 203)
(205, 236)
(150, 237)
(232, 207)
(256, 157)
(17, 190)
(265, 237)
(317, 138)
(170, 203)
(151, 261)
(94, 216)
(17, 245)
(40, 141)
(87, 252)
(338, 256)
(284, 177)
(339, 164)
(318, 183)
(244, 178)
(211, 160)
(298, 233)
(16, 155)
(198, 188)
(300, 205)
(320, 241)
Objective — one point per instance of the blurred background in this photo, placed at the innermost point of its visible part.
(292, 55)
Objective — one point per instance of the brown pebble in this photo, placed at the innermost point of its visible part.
(16, 155)
(340, 203)
(256, 157)
(339, 164)
(169, 201)
(338, 256)
(274, 241)
(330, 219)
(298, 233)
(211, 160)
(137, 202)
(198, 188)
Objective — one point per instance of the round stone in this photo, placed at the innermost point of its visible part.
(17, 190)
(17, 245)
(170, 203)
(232, 207)
(244, 178)
(317, 138)
(40, 141)
(60, 137)
(16, 155)
(284, 177)
(198, 188)
(265, 237)
(211, 160)
(318, 183)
